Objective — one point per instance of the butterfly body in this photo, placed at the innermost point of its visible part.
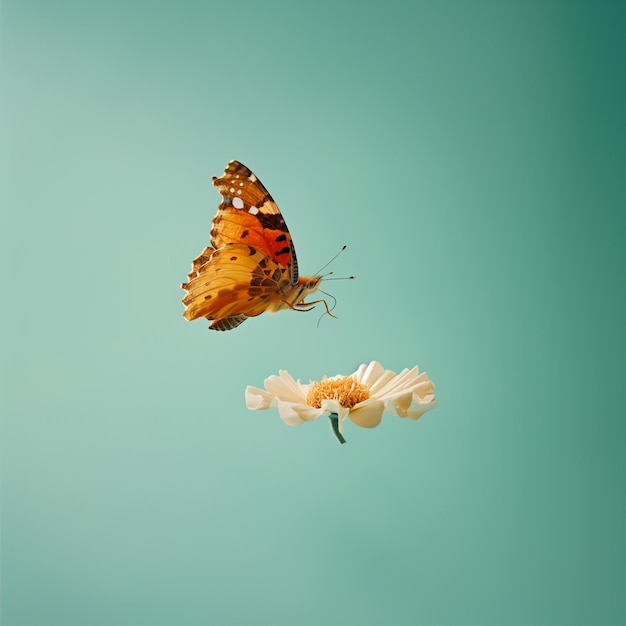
(251, 266)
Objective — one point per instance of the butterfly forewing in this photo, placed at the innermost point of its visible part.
(248, 214)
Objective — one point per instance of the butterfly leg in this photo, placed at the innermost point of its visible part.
(310, 305)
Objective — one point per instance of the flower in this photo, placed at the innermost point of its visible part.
(362, 397)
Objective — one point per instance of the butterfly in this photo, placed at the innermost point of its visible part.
(251, 266)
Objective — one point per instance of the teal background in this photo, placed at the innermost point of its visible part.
(472, 156)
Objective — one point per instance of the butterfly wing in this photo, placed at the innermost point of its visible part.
(198, 262)
(248, 215)
(235, 283)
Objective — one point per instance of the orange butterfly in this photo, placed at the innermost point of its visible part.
(251, 267)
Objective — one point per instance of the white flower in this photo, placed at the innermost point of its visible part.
(362, 397)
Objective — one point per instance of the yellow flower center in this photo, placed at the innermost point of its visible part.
(346, 390)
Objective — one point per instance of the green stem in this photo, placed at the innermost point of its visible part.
(334, 422)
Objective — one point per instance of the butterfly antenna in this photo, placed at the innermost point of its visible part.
(329, 262)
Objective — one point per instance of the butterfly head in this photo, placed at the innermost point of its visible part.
(305, 286)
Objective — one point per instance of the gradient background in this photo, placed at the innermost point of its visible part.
(472, 156)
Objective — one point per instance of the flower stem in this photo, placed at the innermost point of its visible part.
(334, 422)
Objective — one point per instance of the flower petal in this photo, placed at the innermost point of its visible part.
(294, 413)
(417, 409)
(370, 375)
(425, 387)
(398, 382)
(407, 380)
(258, 399)
(399, 404)
(284, 387)
(367, 414)
(330, 405)
(409, 404)
(360, 372)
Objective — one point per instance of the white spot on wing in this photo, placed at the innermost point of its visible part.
(238, 203)
(232, 190)
(239, 191)
(252, 177)
(253, 210)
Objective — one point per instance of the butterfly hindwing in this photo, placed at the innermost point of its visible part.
(237, 280)
(199, 261)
